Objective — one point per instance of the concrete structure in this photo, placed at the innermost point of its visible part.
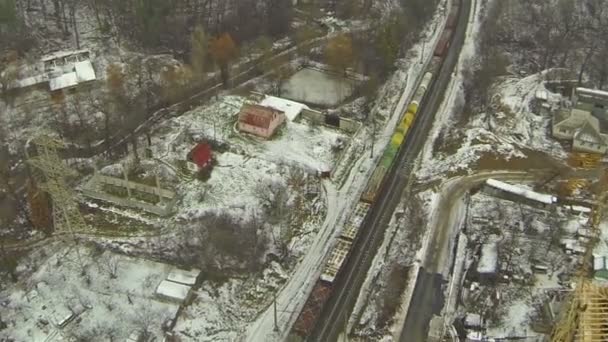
(81, 72)
(61, 70)
(259, 120)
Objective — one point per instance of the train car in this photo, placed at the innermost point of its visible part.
(373, 185)
(397, 139)
(336, 259)
(339, 255)
(355, 220)
(420, 92)
(444, 43)
(452, 19)
(310, 312)
(369, 194)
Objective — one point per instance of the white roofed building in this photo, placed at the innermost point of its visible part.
(60, 70)
(519, 193)
(585, 122)
(174, 292)
(291, 109)
(487, 266)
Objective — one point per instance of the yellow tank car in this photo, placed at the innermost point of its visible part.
(413, 107)
(403, 128)
(408, 118)
(397, 139)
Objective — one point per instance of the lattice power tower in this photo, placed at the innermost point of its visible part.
(49, 172)
(585, 316)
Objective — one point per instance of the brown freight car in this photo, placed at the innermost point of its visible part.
(444, 43)
(312, 309)
(452, 18)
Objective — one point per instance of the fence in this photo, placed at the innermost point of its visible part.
(165, 206)
(348, 125)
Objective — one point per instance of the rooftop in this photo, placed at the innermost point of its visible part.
(183, 277)
(171, 290)
(291, 108)
(257, 115)
(543, 198)
(63, 81)
(488, 262)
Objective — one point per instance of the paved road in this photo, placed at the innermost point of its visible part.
(348, 284)
(427, 298)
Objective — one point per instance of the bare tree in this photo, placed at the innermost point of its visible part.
(110, 263)
(274, 197)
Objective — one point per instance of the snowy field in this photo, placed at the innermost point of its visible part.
(223, 308)
(318, 87)
(113, 294)
(296, 144)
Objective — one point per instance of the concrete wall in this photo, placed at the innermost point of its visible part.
(90, 190)
(101, 179)
(348, 125)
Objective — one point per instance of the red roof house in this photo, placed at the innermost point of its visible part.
(260, 120)
(201, 156)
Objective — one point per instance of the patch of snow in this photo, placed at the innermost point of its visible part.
(291, 108)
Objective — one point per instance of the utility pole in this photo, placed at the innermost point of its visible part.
(373, 136)
(422, 53)
(276, 326)
(345, 327)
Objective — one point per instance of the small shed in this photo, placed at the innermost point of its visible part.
(487, 267)
(200, 157)
(184, 277)
(260, 120)
(472, 321)
(174, 292)
(600, 267)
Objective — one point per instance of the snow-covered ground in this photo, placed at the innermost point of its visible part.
(318, 87)
(296, 144)
(115, 295)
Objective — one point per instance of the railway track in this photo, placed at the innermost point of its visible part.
(347, 285)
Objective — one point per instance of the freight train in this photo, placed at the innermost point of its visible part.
(340, 252)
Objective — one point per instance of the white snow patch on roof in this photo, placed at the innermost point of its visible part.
(291, 108)
(183, 277)
(171, 290)
(514, 189)
(84, 71)
(488, 262)
(63, 81)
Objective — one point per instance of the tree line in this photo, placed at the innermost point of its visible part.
(532, 36)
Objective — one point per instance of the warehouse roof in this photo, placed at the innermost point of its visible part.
(543, 198)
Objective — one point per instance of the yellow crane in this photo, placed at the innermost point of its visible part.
(585, 316)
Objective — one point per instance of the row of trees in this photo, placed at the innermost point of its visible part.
(539, 35)
(168, 24)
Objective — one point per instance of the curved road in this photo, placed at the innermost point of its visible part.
(435, 269)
